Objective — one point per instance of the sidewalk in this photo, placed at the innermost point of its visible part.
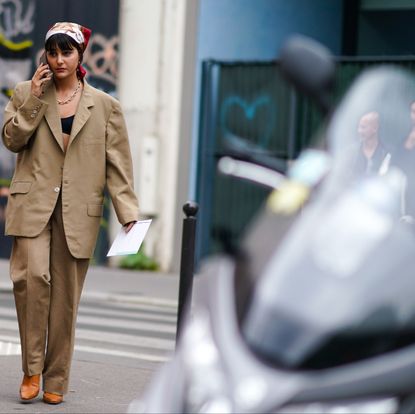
(98, 385)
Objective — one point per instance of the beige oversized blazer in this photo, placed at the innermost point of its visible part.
(98, 155)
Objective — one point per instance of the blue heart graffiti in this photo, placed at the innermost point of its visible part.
(250, 110)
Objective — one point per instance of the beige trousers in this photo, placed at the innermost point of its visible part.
(47, 285)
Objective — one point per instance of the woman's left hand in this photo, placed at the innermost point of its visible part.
(127, 227)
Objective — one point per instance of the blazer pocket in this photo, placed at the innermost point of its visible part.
(95, 210)
(20, 187)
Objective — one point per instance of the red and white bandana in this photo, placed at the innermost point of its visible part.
(77, 32)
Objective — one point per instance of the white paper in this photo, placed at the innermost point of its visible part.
(129, 243)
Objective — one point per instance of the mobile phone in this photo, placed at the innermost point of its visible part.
(42, 59)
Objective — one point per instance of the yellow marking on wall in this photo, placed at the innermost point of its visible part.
(15, 46)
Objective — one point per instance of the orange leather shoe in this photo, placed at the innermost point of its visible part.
(30, 387)
(52, 398)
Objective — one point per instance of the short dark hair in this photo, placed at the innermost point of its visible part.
(64, 43)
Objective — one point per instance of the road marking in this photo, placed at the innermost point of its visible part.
(90, 309)
(111, 322)
(130, 299)
(113, 352)
(9, 348)
(157, 321)
(119, 323)
(12, 347)
(160, 344)
(8, 311)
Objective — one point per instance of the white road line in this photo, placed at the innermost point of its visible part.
(111, 322)
(159, 344)
(130, 299)
(13, 348)
(125, 339)
(9, 348)
(113, 352)
(133, 306)
(9, 325)
(119, 323)
(135, 314)
(7, 312)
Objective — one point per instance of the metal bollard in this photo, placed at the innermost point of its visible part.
(186, 263)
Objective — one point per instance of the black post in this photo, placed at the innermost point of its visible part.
(187, 262)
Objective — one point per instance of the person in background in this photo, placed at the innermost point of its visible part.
(406, 156)
(373, 157)
(71, 142)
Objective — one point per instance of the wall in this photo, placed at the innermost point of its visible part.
(255, 30)
(237, 30)
(386, 33)
(156, 92)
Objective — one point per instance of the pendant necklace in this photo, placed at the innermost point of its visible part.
(71, 97)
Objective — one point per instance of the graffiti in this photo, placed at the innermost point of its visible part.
(14, 19)
(14, 61)
(15, 46)
(264, 103)
(101, 57)
(16, 27)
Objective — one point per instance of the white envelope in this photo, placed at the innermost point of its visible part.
(129, 243)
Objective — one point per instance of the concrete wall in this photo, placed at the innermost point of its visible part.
(157, 45)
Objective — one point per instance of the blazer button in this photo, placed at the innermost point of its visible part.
(56, 189)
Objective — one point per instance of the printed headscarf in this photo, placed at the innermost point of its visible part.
(77, 32)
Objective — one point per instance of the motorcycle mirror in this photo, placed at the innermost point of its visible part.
(310, 67)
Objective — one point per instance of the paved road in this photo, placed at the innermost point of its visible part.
(138, 331)
(126, 329)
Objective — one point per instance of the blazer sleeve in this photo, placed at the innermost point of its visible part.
(119, 167)
(22, 116)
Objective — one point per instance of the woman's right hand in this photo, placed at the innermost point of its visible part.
(40, 77)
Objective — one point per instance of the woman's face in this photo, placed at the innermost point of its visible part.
(63, 63)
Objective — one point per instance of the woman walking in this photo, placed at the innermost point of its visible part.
(71, 142)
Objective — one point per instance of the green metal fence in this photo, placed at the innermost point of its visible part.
(253, 101)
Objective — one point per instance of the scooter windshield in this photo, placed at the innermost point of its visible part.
(340, 287)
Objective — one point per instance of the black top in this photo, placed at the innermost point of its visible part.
(370, 166)
(67, 124)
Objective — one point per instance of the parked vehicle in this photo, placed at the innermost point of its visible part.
(315, 312)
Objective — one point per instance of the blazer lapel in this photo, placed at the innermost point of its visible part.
(82, 113)
(52, 113)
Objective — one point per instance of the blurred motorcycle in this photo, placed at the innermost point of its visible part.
(315, 312)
